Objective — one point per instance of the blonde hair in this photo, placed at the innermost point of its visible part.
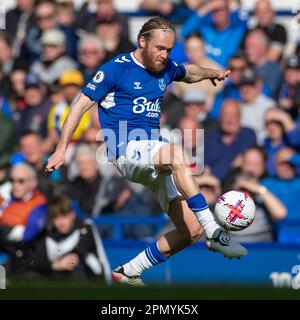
(156, 23)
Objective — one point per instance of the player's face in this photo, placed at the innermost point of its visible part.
(157, 49)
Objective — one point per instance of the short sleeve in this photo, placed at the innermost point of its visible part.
(102, 83)
(176, 72)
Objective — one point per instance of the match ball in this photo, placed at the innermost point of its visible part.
(235, 210)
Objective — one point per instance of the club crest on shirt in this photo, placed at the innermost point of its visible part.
(161, 83)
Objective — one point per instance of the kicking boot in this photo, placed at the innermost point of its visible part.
(118, 275)
(221, 242)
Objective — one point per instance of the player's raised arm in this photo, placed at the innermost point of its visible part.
(77, 110)
(196, 73)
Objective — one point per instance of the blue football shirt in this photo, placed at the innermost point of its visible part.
(129, 99)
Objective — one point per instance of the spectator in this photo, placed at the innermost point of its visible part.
(34, 116)
(282, 132)
(45, 16)
(85, 187)
(23, 216)
(6, 54)
(70, 83)
(7, 137)
(18, 21)
(110, 31)
(291, 128)
(163, 8)
(228, 142)
(19, 18)
(254, 104)
(105, 11)
(91, 55)
(219, 28)
(287, 93)
(274, 141)
(251, 163)
(276, 33)
(286, 186)
(5, 108)
(32, 147)
(192, 141)
(194, 47)
(66, 21)
(53, 61)
(269, 209)
(237, 64)
(17, 89)
(257, 50)
(5, 184)
(195, 108)
(6, 62)
(193, 5)
(84, 256)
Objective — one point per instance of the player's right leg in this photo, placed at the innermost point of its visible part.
(172, 158)
(188, 231)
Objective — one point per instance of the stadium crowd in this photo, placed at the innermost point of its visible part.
(49, 51)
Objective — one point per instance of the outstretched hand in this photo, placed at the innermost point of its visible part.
(55, 161)
(220, 75)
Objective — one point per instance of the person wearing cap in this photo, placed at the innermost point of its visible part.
(254, 104)
(34, 116)
(71, 83)
(195, 107)
(53, 61)
(291, 80)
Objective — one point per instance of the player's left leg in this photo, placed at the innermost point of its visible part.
(188, 230)
(172, 158)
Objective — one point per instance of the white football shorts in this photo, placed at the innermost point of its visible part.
(137, 166)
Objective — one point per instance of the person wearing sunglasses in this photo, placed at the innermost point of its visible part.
(22, 216)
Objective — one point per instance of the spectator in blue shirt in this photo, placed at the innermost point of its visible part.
(222, 147)
(289, 87)
(231, 90)
(257, 50)
(286, 186)
(222, 31)
(281, 132)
